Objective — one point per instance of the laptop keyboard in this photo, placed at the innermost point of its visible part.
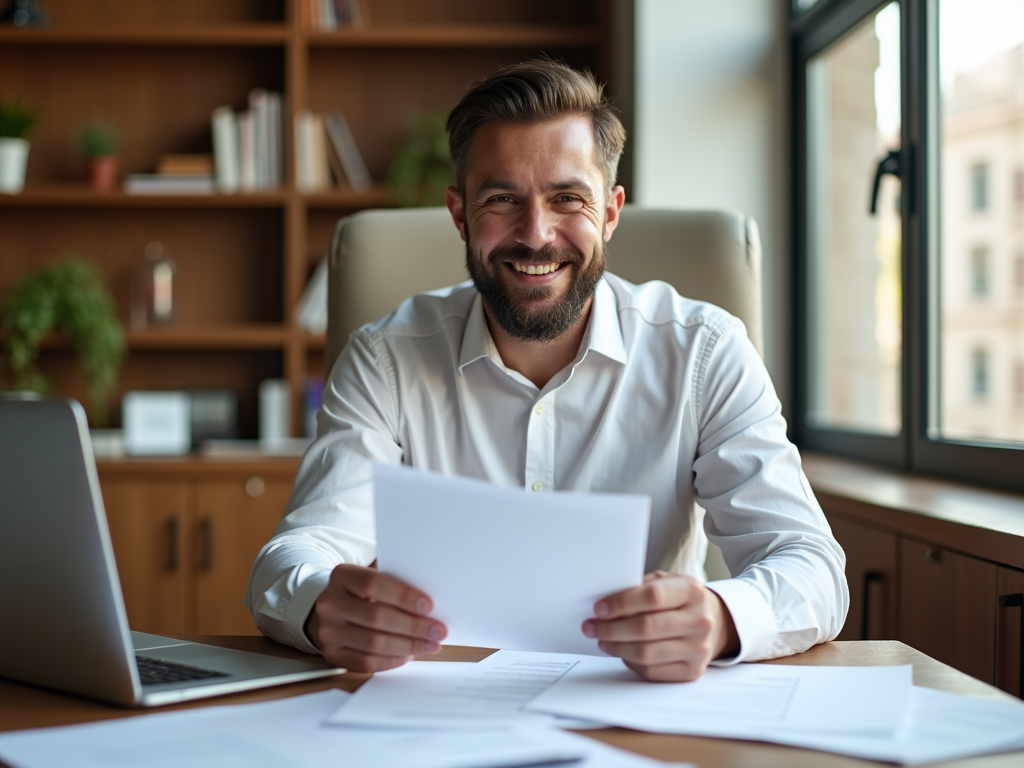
(153, 671)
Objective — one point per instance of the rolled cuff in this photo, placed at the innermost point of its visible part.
(752, 616)
(281, 612)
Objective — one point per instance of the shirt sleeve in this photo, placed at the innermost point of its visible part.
(329, 517)
(788, 590)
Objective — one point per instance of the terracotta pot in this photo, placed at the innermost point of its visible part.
(101, 172)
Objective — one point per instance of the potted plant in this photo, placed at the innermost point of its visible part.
(422, 168)
(68, 297)
(97, 140)
(16, 120)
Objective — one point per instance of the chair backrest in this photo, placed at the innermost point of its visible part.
(380, 257)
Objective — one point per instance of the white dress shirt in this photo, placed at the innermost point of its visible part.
(666, 397)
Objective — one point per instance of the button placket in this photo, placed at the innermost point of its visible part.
(539, 446)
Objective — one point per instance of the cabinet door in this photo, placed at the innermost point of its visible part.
(1009, 626)
(147, 520)
(871, 574)
(234, 519)
(948, 607)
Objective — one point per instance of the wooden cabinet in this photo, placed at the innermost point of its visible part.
(871, 574)
(157, 70)
(185, 536)
(942, 565)
(947, 606)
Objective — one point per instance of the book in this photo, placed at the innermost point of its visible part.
(185, 165)
(159, 184)
(225, 149)
(344, 144)
(246, 152)
(311, 309)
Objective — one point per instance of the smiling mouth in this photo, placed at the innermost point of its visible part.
(537, 269)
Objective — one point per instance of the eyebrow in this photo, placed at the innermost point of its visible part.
(571, 183)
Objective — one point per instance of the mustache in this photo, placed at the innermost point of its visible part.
(545, 254)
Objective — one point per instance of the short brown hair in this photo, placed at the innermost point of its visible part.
(536, 91)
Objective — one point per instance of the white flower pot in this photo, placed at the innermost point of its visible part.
(13, 159)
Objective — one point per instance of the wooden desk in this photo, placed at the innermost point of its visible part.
(26, 707)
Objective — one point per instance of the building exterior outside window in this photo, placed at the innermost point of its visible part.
(979, 187)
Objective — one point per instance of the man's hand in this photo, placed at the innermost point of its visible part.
(666, 630)
(368, 621)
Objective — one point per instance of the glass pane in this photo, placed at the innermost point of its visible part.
(981, 298)
(855, 256)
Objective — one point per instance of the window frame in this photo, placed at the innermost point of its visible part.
(912, 449)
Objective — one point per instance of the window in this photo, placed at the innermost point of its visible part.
(979, 272)
(906, 115)
(979, 187)
(979, 374)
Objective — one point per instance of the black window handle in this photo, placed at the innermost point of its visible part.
(870, 577)
(1002, 603)
(889, 164)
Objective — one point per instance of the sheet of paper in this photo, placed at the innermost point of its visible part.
(746, 701)
(940, 726)
(289, 734)
(438, 694)
(506, 567)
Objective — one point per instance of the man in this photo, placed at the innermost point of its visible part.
(548, 373)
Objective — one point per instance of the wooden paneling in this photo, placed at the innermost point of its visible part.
(947, 606)
(234, 519)
(871, 557)
(1009, 622)
(148, 522)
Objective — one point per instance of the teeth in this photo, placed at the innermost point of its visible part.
(532, 269)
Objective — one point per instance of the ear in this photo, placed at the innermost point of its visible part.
(453, 199)
(612, 209)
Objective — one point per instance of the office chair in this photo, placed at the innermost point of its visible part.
(380, 257)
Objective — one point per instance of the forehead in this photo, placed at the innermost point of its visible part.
(564, 146)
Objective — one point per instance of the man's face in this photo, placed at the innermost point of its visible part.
(535, 214)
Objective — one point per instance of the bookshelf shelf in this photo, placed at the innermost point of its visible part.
(158, 70)
(219, 35)
(458, 36)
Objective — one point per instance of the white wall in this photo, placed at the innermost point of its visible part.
(711, 129)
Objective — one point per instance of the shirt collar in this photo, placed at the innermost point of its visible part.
(604, 332)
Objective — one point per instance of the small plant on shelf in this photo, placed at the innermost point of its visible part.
(97, 141)
(422, 168)
(16, 120)
(68, 297)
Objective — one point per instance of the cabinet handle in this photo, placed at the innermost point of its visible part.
(172, 544)
(254, 487)
(1002, 603)
(206, 545)
(870, 577)
(933, 555)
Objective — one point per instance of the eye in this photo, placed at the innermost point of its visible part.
(501, 199)
(568, 200)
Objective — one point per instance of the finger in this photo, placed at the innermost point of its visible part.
(661, 652)
(359, 661)
(658, 625)
(381, 617)
(658, 594)
(371, 584)
(377, 643)
(677, 672)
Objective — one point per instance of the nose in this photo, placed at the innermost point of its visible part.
(536, 226)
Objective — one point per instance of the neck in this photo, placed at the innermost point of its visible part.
(538, 361)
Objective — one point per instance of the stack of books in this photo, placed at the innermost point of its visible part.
(326, 150)
(328, 15)
(175, 175)
(248, 145)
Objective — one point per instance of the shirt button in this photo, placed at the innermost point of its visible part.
(538, 486)
(539, 410)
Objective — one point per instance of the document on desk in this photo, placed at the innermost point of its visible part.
(506, 567)
(289, 733)
(441, 694)
(745, 701)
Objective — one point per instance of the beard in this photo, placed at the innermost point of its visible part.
(513, 307)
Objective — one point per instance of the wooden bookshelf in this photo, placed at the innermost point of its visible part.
(158, 70)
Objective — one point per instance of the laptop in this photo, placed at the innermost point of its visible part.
(65, 625)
